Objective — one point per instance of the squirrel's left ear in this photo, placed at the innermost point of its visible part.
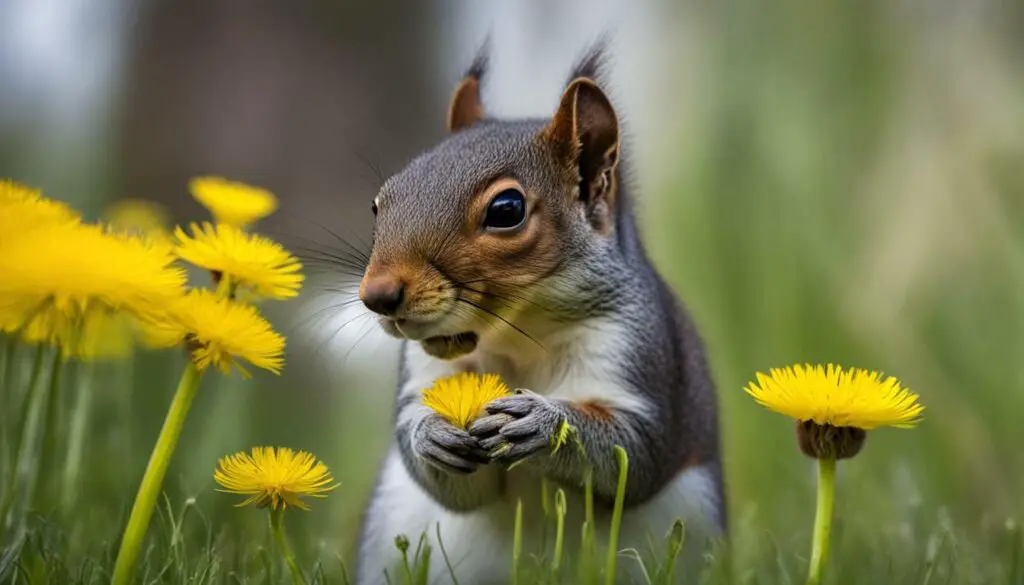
(585, 132)
(466, 107)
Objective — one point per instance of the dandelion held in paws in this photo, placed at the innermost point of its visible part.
(246, 260)
(461, 398)
(277, 478)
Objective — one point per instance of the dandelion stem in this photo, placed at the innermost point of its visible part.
(7, 379)
(149, 489)
(276, 525)
(50, 431)
(77, 436)
(25, 430)
(613, 534)
(822, 519)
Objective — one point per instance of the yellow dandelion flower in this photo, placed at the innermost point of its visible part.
(220, 332)
(247, 260)
(836, 397)
(22, 209)
(834, 409)
(461, 398)
(138, 216)
(274, 477)
(232, 202)
(54, 277)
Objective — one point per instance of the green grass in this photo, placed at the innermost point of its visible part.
(189, 544)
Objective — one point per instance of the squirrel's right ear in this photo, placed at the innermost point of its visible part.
(585, 132)
(466, 108)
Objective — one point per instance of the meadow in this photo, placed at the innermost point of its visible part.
(830, 191)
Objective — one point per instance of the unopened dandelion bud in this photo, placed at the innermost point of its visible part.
(827, 441)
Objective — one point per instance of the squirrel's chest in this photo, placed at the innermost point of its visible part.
(567, 366)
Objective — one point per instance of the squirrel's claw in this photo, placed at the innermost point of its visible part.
(447, 447)
(487, 426)
(518, 426)
(517, 405)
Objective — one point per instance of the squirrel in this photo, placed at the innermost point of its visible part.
(511, 247)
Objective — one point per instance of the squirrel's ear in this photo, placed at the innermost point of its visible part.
(466, 108)
(585, 131)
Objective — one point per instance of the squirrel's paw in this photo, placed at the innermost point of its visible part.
(518, 426)
(447, 447)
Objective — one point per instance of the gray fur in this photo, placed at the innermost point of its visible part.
(599, 277)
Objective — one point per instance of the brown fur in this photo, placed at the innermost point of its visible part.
(494, 262)
(594, 409)
(465, 108)
(586, 117)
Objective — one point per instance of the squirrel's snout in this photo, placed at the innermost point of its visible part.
(383, 294)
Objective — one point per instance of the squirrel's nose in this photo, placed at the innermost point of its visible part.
(383, 294)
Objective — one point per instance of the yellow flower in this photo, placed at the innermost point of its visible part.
(461, 398)
(220, 332)
(831, 396)
(275, 478)
(231, 202)
(56, 277)
(22, 209)
(247, 260)
(141, 217)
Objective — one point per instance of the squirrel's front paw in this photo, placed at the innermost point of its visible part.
(517, 426)
(447, 447)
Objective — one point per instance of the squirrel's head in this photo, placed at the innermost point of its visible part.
(476, 231)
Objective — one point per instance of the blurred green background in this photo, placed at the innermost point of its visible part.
(823, 182)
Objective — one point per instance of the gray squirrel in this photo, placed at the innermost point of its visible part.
(511, 248)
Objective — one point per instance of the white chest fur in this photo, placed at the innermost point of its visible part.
(579, 364)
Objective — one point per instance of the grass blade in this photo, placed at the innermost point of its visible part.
(613, 534)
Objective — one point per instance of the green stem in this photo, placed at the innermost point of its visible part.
(51, 431)
(276, 515)
(149, 489)
(822, 519)
(7, 379)
(77, 436)
(676, 537)
(25, 431)
(560, 508)
(588, 547)
(517, 541)
(613, 534)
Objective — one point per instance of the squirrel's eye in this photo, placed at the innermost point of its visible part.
(507, 210)
(373, 206)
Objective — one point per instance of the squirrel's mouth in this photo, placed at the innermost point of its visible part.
(448, 347)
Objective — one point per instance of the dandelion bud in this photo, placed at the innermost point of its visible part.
(827, 441)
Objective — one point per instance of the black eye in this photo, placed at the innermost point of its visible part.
(507, 210)
(373, 207)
